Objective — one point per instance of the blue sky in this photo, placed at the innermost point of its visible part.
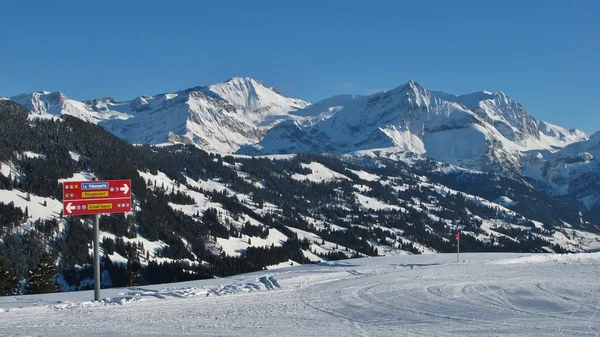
(544, 54)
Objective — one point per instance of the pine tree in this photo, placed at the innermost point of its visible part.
(134, 271)
(7, 281)
(42, 279)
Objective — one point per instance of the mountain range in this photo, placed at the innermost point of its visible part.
(218, 118)
(482, 131)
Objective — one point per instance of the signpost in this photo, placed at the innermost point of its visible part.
(96, 197)
(457, 237)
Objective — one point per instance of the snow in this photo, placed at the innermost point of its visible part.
(268, 156)
(320, 173)
(418, 246)
(312, 257)
(366, 175)
(153, 247)
(202, 202)
(575, 239)
(505, 201)
(281, 265)
(542, 258)
(383, 250)
(443, 190)
(362, 188)
(8, 169)
(35, 207)
(258, 104)
(318, 246)
(236, 246)
(33, 155)
(374, 204)
(322, 225)
(413, 295)
(79, 176)
(74, 155)
(488, 227)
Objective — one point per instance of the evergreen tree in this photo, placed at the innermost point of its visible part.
(134, 271)
(42, 279)
(7, 281)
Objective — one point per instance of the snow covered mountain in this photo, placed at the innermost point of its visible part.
(219, 117)
(572, 171)
(47, 104)
(256, 103)
(484, 131)
(510, 119)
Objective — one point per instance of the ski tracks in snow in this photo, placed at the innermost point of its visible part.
(378, 298)
(509, 301)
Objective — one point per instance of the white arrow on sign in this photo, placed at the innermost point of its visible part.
(125, 188)
(70, 208)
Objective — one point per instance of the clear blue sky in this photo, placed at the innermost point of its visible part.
(544, 54)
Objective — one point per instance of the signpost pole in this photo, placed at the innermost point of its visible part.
(94, 198)
(458, 247)
(96, 258)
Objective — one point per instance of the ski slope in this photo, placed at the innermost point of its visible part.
(419, 295)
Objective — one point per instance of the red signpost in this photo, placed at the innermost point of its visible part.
(457, 237)
(96, 197)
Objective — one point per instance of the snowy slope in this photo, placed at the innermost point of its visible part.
(319, 173)
(423, 295)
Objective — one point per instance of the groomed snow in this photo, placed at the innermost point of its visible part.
(415, 295)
